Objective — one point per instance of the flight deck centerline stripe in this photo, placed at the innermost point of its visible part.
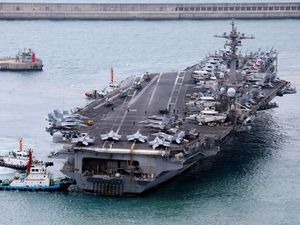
(184, 73)
(171, 96)
(151, 98)
(125, 114)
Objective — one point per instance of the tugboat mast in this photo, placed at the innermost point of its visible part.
(235, 40)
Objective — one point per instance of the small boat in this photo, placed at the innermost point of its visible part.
(16, 159)
(25, 60)
(112, 86)
(37, 178)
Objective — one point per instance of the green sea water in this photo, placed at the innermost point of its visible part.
(255, 180)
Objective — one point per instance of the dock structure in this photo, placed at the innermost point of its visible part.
(149, 11)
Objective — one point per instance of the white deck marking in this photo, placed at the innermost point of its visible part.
(171, 96)
(151, 98)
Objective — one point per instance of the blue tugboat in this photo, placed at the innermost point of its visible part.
(36, 178)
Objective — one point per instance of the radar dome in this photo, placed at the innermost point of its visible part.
(231, 92)
(222, 90)
(57, 137)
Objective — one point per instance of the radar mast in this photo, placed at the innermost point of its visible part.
(235, 40)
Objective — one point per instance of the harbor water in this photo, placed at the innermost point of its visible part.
(255, 180)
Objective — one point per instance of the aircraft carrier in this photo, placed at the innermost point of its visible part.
(147, 129)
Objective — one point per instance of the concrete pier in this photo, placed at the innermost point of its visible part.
(149, 11)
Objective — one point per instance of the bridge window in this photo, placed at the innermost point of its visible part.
(259, 8)
(281, 8)
(265, 8)
(271, 8)
(180, 9)
(214, 8)
(237, 8)
(192, 9)
(254, 8)
(186, 9)
(276, 8)
(203, 9)
(18, 8)
(231, 9)
(288, 8)
(47, 8)
(197, 8)
(220, 8)
(225, 8)
(242, 8)
(294, 8)
(298, 7)
(248, 8)
(208, 8)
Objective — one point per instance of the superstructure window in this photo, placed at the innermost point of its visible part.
(208, 8)
(265, 8)
(254, 8)
(203, 9)
(18, 8)
(259, 8)
(270, 8)
(293, 8)
(242, 8)
(198, 9)
(225, 8)
(288, 8)
(192, 9)
(248, 8)
(214, 8)
(276, 8)
(282, 8)
(237, 8)
(220, 8)
(231, 8)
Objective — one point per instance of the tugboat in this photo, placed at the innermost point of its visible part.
(36, 178)
(25, 60)
(16, 159)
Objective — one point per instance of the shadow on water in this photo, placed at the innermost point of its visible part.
(242, 155)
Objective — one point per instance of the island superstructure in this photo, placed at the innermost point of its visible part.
(153, 127)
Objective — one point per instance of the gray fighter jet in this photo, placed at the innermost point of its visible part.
(63, 119)
(159, 142)
(177, 137)
(137, 136)
(83, 139)
(110, 136)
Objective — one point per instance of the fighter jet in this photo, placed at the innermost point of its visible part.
(65, 120)
(177, 137)
(159, 122)
(83, 139)
(137, 136)
(159, 142)
(110, 136)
